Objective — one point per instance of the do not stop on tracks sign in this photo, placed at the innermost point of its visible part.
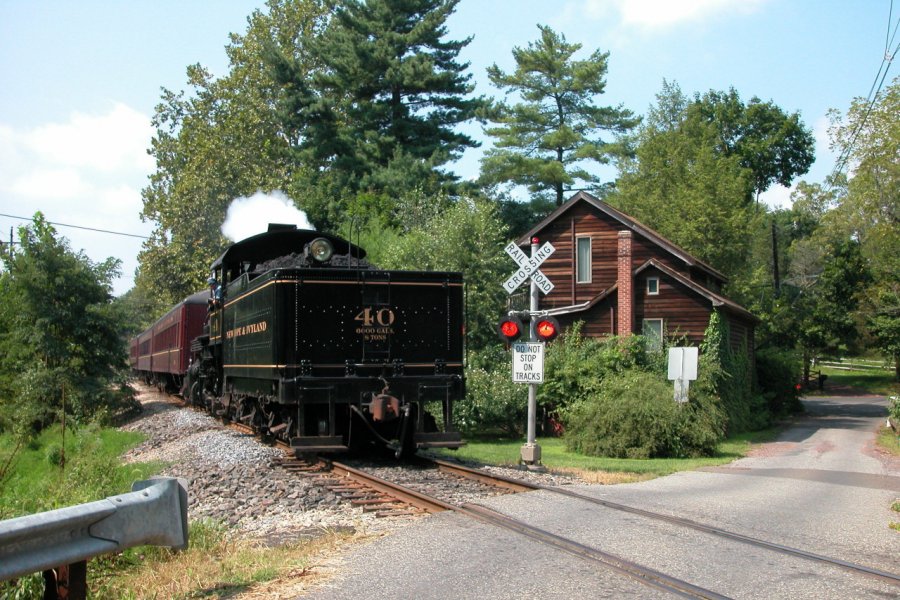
(528, 362)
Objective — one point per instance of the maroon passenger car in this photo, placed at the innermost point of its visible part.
(160, 355)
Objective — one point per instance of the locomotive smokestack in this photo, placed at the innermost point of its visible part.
(281, 227)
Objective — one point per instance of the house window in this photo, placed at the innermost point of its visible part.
(652, 329)
(583, 260)
(652, 286)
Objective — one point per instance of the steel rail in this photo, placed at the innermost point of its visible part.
(711, 529)
(631, 569)
(402, 493)
(643, 574)
(684, 522)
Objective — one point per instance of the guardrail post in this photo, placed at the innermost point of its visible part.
(153, 513)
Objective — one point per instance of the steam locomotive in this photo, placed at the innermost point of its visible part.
(302, 339)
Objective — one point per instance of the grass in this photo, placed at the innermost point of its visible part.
(39, 480)
(215, 565)
(555, 457)
(872, 381)
(896, 508)
(889, 441)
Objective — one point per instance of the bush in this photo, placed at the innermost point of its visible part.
(729, 377)
(894, 409)
(493, 402)
(777, 373)
(575, 366)
(634, 415)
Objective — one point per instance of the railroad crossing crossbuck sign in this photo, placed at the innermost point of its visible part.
(528, 268)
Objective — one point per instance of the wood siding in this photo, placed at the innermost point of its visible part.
(685, 314)
(685, 311)
(584, 220)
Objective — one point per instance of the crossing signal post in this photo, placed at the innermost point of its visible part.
(542, 328)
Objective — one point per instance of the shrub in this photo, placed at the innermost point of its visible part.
(730, 377)
(54, 455)
(493, 402)
(575, 366)
(634, 415)
(894, 409)
(777, 373)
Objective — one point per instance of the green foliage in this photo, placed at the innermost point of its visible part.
(894, 409)
(684, 187)
(30, 587)
(469, 238)
(219, 142)
(633, 415)
(576, 365)
(575, 368)
(777, 374)
(884, 323)
(727, 375)
(817, 312)
(773, 146)
(379, 110)
(493, 402)
(868, 137)
(544, 140)
(60, 337)
(40, 480)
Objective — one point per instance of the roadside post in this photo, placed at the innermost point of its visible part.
(683, 370)
(528, 357)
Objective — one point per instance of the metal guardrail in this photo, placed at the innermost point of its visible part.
(153, 513)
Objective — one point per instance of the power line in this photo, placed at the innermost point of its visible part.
(143, 237)
(886, 62)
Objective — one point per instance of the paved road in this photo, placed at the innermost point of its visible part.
(822, 487)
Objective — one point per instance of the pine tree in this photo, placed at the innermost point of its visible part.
(544, 140)
(386, 96)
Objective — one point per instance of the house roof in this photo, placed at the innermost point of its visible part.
(628, 222)
(717, 300)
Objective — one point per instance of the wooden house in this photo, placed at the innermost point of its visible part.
(621, 277)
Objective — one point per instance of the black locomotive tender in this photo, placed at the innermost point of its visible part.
(308, 343)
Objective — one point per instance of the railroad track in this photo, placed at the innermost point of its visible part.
(387, 498)
(893, 578)
(621, 565)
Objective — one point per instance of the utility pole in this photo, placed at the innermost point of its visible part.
(776, 276)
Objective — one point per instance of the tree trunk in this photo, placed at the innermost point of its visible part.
(806, 361)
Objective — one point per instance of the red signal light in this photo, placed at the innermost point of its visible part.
(547, 328)
(510, 329)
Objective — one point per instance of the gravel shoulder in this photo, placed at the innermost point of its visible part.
(233, 478)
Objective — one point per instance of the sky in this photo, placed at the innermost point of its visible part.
(79, 82)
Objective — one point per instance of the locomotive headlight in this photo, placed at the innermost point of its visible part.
(321, 249)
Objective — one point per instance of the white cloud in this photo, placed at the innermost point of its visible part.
(110, 142)
(250, 216)
(86, 171)
(41, 183)
(658, 14)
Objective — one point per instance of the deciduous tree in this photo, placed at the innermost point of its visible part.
(219, 142)
(868, 140)
(775, 146)
(682, 186)
(60, 336)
